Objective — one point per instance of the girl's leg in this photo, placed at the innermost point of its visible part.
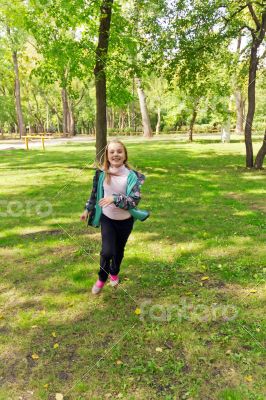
(108, 233)
(123, 230)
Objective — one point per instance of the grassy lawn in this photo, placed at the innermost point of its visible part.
(188, 320)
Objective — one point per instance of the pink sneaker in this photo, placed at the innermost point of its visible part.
(97, 287)
(114, 280)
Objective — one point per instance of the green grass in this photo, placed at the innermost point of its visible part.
(207, 220)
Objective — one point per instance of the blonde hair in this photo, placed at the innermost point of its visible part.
(105, 166)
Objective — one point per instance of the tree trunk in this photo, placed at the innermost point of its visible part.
(261, 154)
(113, 118)
(133, 107)
(226, 133)
(100, 77)
(20, 120)
(240, 112)
(122, 123)
(251, 104)
(47, 117)
(158, 125)
(147, 131)
(191, 125)
(71, 118)
(65, 111)
(109, 118)
(128, 117)
(253, 66)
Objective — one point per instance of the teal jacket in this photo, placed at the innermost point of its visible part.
(129, 201)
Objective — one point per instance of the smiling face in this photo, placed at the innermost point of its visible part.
(116, 154)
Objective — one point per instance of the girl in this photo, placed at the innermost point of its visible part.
(112, 205)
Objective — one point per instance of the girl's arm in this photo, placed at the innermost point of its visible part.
(131, 201)
(90, 204)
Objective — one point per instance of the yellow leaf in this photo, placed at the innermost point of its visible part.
(59, 396)
(119, 362)
(249, 378)
(253, 291)
(46, 385)
(159, 349)
(34, 356)
(56, 345)
(205, 278)
(34, 326)
(53, 334)
(138, 311)
(257, 329)
(43, 312)
(188, 293)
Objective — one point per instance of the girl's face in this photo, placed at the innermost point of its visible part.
(116, 154)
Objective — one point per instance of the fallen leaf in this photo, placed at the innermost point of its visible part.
(56, 345)
(43, 312)
(59, 396)
(54, 334)
(34, 326)
(253, 291)
(46, 385)
(119, 362)
(249, 378)
(138, 311)
(168, 344)
(159, 349)
(205, 278)
(257, 329)
(188, 293)
(34, 356)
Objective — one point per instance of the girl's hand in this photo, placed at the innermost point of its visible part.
(106, 201)
(84, 215)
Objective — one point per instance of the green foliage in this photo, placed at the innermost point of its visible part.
(183, 50)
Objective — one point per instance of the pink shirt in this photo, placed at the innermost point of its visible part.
(118, 184)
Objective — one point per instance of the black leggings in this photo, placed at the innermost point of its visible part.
(114, 237)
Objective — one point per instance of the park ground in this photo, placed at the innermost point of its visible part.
(188, 320)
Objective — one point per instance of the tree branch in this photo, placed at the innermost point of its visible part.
(263, 27)
(254, 16)
(81, 97)
(235, 13)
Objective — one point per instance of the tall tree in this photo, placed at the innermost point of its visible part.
(258, 35)
(223, 21)
(20, 119)
(100, 77)
(12, 22)
(146, 124)
(239, 95)
(66, 46)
